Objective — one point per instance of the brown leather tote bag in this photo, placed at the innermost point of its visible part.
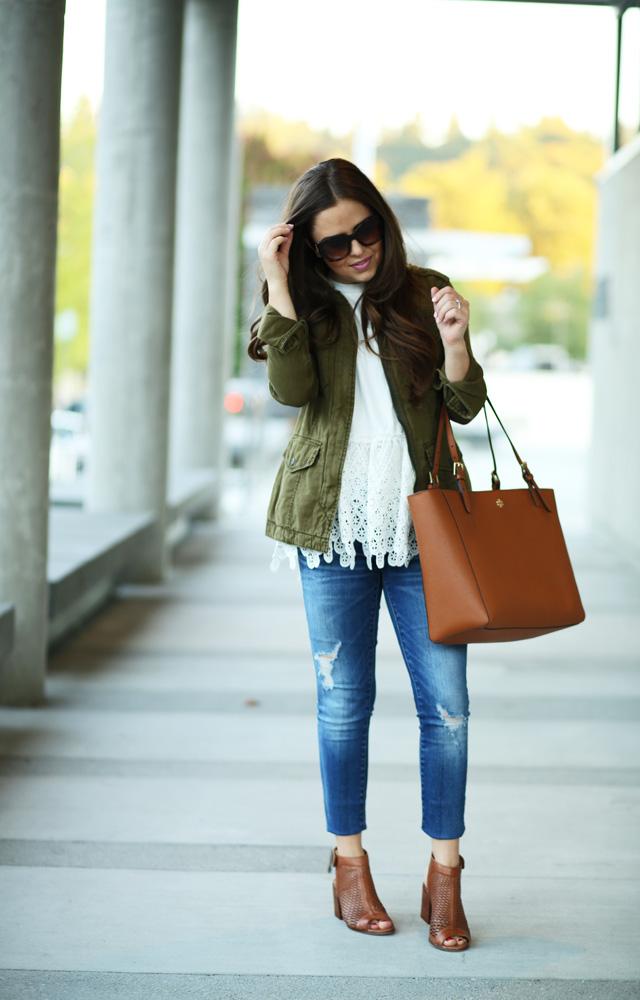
(495, 565)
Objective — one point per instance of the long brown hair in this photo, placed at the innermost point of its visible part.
(390, 305)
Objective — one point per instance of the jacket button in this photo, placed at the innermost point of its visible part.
(292, 462)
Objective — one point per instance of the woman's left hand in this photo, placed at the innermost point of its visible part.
(452, 321)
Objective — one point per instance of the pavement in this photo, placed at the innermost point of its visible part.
(162, 830)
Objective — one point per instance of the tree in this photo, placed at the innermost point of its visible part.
(554, 309)
(74, 234)
(539, 181)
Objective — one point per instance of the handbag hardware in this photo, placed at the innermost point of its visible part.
(458, 466)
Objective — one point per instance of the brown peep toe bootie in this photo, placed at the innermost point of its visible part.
(354, 896)
(442, 906)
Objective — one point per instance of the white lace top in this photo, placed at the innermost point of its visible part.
(377, 476)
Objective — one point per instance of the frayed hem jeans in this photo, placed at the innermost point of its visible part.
(342, 607)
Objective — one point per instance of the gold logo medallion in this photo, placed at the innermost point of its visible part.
(499, 503)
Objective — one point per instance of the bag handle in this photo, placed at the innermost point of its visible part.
(458, 466)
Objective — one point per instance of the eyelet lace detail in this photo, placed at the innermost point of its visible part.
(373, 509)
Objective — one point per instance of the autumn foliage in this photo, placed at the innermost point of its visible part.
(539, 181)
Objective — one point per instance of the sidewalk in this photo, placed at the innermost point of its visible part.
(162, 825)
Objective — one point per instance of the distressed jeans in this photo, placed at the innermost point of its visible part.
(342, 607)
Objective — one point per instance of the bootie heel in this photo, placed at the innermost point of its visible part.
(442, 906)
(354, 896)
(336, 903)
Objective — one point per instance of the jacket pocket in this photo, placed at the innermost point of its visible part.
(301, 453)
(296, 501)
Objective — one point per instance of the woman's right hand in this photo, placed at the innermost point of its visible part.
(274, 257)
(274, 253)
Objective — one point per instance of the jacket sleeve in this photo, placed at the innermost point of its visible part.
(291, 367)
(463, 399)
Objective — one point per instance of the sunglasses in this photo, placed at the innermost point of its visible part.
(366, 233)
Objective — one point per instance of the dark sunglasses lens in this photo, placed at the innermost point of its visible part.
(369, 231)
(366, 233)
(335, 247)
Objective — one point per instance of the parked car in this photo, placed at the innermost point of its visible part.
(69, 445)
(533, 357)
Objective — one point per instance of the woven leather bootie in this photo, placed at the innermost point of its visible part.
(354, 896)
(442, 906)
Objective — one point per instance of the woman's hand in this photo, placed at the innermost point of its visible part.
(452, 321)
(274, 257)
(274, 253)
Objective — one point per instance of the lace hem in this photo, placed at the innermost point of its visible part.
(344, 550)
(373, 509)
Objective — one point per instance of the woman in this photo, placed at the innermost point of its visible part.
(367, 346)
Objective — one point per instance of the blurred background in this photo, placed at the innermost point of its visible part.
(487, 142)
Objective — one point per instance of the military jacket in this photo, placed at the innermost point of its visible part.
(321, 382)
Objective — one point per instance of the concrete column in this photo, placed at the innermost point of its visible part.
(615, 356)
(132, 270)
(204, 240)
(30, 68)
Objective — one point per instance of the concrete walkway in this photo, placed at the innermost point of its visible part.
(162, 825)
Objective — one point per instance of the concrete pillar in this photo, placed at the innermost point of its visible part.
(615, 356)
(132, 267)
(204, 238)
(30, 68)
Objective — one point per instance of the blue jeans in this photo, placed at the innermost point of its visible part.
(342, 607)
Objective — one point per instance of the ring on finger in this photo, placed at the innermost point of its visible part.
(458, 303)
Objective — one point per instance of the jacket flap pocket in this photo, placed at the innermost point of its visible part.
(301, 452)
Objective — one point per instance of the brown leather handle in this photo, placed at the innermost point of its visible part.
(458, 467)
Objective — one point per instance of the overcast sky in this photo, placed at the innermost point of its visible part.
(340, 63)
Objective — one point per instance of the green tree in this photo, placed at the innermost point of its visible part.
(402, 149)
(554, 309)
(74, 233)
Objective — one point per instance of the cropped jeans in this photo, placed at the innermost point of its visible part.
(342, 607)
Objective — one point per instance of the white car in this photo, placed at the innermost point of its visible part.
(69, 445)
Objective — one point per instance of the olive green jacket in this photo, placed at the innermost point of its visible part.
(322, 383)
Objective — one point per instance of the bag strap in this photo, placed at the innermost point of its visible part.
(495, 478)
(458, 466)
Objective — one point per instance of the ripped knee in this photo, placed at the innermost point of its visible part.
(453, 723)
(325, 663)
